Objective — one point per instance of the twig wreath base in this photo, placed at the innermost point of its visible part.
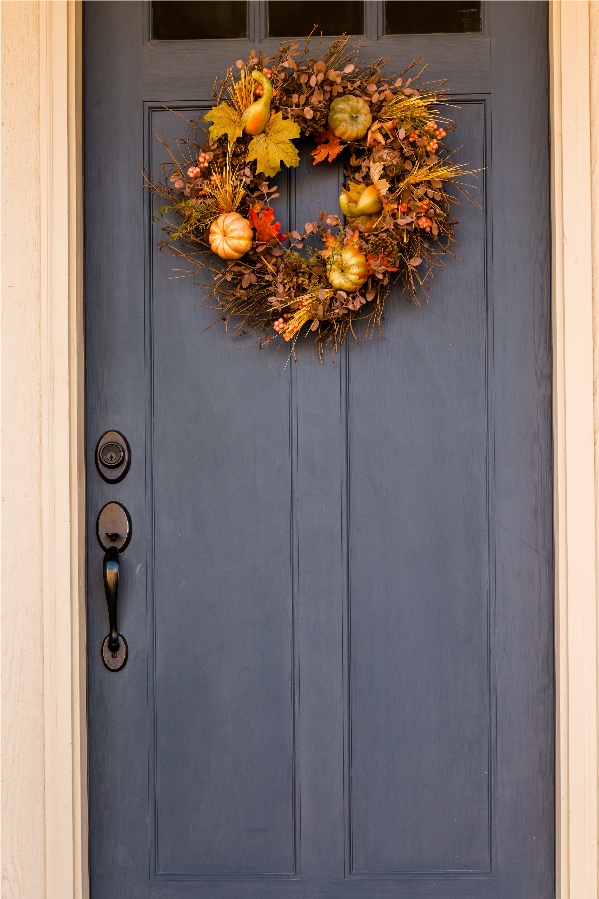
(398, 224)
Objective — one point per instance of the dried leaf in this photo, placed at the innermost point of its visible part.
(226, 121)
(329, 148)
(273, 146)
(264, 225)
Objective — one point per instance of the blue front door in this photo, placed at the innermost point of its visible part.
(337, 596)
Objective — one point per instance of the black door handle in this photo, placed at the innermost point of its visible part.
(112, 572)
(114, 647)
(114, 533)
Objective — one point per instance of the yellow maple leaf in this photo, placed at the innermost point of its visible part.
(273, 146)
(226, 121)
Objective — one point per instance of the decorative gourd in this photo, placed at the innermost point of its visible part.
(359, 200)
(230, 236)
(367, 223)
(347, 269)
(257, 116)
(350, 117)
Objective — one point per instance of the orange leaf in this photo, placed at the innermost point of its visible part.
(330, 146)
(264, 226)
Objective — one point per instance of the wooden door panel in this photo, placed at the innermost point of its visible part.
(223, 637)
(419, 544)
(338, 592)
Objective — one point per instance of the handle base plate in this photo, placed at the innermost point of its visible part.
(115, 661)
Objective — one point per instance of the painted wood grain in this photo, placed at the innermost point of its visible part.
(387, 673)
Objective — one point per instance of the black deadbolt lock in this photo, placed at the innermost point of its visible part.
(113, 456)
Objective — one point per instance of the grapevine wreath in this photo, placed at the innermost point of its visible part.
(395, 204)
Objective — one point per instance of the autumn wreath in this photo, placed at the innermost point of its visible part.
(397, 212)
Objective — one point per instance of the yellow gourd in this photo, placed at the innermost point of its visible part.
(256, 117)
(360, 200)
(350, 117)
(347, 269)
(230, 236)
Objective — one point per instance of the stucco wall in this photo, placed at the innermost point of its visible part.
(23, 832)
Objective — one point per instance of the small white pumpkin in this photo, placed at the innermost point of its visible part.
(347, 269)
(230, 236)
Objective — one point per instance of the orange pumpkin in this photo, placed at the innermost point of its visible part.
(350, 117)
(230, 236)
(347, 269)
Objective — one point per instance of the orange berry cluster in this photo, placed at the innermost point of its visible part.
(430, 143)
(439, 133)
(403, 207)
(279, 325)
(194, 171)
(425, 223)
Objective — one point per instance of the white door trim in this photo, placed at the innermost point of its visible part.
(61, 378)
(62, 449)
(575, 496)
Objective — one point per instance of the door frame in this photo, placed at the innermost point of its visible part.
(574, 61)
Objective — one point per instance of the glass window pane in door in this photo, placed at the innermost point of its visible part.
(294, 18)
(432, 17)
(195, 21)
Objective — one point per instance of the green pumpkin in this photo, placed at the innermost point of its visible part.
(350, 117)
